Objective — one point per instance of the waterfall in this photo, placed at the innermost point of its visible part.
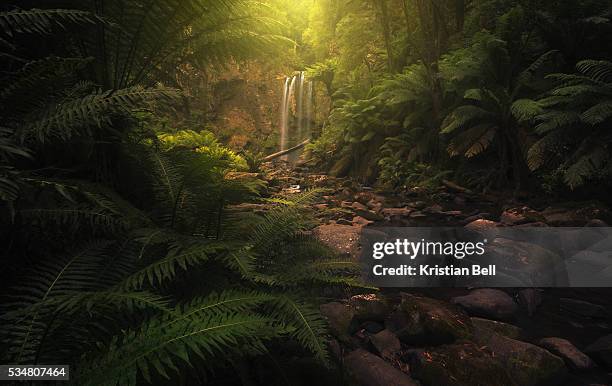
(296, 107)
(284, 124)
(300, 104)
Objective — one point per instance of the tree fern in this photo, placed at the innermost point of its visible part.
(42, 21)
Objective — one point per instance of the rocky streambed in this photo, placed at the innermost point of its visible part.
(458, 336)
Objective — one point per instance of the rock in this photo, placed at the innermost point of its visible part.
(370, 307)
(320, 206)
(525, 264)
(417, 204)
(601, 350)
(434, 209)
(344, 221)
(518, 216)
(359, 221)
(596, 223)
(358, 206)
(564, 217)
(417, 214)
(525, 363)
(530, 299)
(339, 317)
(461, 364)
(481, 224)
(363, 197)
(386, 344)
(372, 327)
(366, 369)
(488, 303)
(505, 329)
(582, 307)
(428, 321)
(369, 215)
(335, 349)
(563, 348)
(399, 212)
(342, 238)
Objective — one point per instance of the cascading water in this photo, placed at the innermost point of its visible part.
(296, 111)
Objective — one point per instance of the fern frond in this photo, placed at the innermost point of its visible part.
(526, 109)
(42, 21)
(463, 116)
(309, 328)
(598, 113)
(166, 268)
(68, 118)
(598, 70)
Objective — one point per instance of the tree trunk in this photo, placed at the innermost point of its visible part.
(384, 20)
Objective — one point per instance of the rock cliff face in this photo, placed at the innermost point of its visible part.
(246, 102)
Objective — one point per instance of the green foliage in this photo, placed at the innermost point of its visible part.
(137, 269)
(573, 124)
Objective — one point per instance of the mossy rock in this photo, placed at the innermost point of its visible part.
(421, 320)
(460, 364)
(505, 329)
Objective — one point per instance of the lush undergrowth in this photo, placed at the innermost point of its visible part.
(505, 94)
(121, 255)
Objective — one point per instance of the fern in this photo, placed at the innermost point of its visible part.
(42, 21)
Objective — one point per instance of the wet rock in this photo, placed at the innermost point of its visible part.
(527, 364)
(434, 209)
(428, 321)
(563, 348)
(518, 216)
(396, 214)
(530, 299)
(596, 223)
(461, 364)
(342, 238)
(366, 369)
(526, 264)
(583, 308)
(359, 221)
(339, 317)
(488, 303)
(386, 344)
(417, 204)
(481, 224)
(370, 307)
(369, 215)
(372, 327)
(601, 351)
(417, 214)
(505, 329)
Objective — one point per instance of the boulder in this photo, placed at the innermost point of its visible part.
(488, 303)
(461, 364)
(393, 213)
(481, 224)
(339, 317)
(518, 216)
(583, 308)
(530, 299)
(421, 320)
(370, 307)
(386, 344)
(601, 350)
(527, 364)
(366, 369)
(574, 358)
(505, 329)
(369, 215)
